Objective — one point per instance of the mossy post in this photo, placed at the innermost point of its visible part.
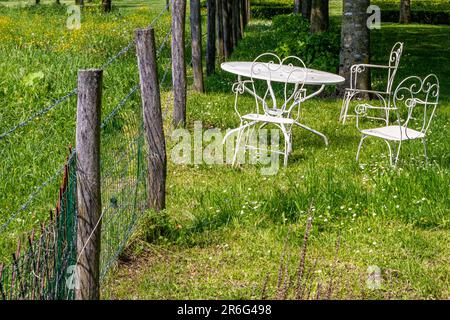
(152, 115)
(89, 206)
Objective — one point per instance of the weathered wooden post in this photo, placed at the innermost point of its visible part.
(211, 38)
(153, 122)
(88, 184)
(196, 44)
(178, 62)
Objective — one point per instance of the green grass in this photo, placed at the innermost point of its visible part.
(35, 40)
(224, 228)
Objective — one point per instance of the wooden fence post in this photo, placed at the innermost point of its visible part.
(196, 44)
(88, 184)
(178, 62)
(153, 122)
(211, 38)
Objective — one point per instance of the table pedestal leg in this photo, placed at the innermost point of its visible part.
(313, 131)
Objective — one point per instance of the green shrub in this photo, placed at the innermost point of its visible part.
(268, 11)
(319, 51)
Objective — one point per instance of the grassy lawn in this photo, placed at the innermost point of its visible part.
(39, 60)
(225, 229)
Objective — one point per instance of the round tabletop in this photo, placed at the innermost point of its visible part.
(281, 73)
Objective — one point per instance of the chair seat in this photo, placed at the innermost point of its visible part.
(267, 118)
(395, 133)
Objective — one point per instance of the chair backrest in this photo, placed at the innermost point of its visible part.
(277, 83)
(394, 61)
(416, 101)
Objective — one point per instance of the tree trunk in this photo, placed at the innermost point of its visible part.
(106, 4)
(211, 38)
(297, 6)
(219, 29)
(405, 11)
(319, 16)
(241, 18)
(355, 41)
(244, 13)
(236, 22)
(227, 32)
(196, 45)
(178, 62)
(306, 9)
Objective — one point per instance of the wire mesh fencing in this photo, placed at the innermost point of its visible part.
(39, 265)
(44, 263)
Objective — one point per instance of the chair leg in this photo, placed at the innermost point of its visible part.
(424, 141)
(344, 108)
(238, 145)
(287, 144)
(397, 154)
(390, 153)
(359, 147)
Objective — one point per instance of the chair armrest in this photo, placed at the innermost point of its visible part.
(361, 67)
(368, 65)
(239, 87)
(361, 111)
(367, 91)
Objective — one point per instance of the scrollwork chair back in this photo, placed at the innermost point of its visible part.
(416, 101)
(273, 100)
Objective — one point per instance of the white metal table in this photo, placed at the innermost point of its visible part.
(282, 74)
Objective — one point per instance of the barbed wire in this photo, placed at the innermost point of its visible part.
(132, 42)
(163, 44)
(74, 91)
(118, 106)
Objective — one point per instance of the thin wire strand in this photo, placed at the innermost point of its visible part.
(38, 113)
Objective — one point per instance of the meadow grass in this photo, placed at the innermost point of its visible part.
(39, 60)
(225, 228)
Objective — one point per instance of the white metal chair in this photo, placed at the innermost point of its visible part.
(416, 101)
(279, 106)
(384, 96)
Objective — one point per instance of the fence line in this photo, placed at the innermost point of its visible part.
(38, 114)
(74, 91)
(123, 187)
